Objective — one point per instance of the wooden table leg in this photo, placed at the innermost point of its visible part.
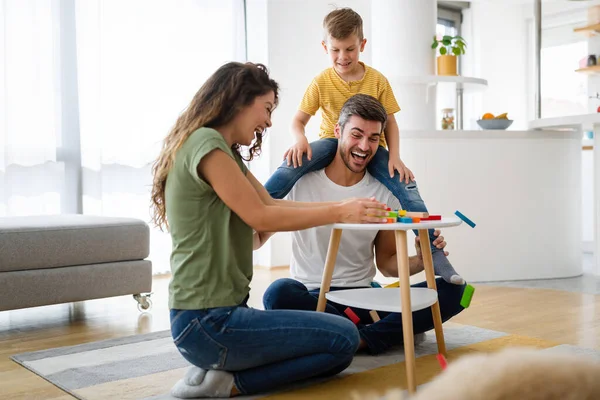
(430, 276)
(334, 244)
(407, 322)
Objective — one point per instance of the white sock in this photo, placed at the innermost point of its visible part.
(214, 384)
(457, 280)
(194, 376)
(220, 382)
(443, 268)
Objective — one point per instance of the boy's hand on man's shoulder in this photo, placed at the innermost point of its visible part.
(293, 155)
(396, 164)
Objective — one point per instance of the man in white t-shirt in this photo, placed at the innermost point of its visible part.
(360, 126)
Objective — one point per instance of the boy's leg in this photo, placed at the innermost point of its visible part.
(387, 332)
(285, 177)
(411, 200)
(264, 350)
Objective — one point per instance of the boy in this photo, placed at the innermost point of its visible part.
(343, 42)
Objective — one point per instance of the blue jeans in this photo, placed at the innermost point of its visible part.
(290, 294)
(264, 349)
(323, 153)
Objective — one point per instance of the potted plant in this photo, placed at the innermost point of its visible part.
(450, 47)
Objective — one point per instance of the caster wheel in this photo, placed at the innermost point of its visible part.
(144, 305)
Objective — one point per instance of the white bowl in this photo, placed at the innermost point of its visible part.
(494, 123)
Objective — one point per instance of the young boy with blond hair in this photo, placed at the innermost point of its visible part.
(343, 42)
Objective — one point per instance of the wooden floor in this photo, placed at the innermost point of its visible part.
(559, 316)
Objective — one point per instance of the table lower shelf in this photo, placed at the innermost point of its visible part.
(382, 299)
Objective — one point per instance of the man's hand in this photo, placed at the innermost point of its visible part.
(439, 243)
(396, 164)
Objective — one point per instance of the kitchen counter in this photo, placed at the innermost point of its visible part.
(521, 188)
(583, 121)
(578, 124)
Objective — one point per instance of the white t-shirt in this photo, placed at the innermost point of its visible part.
(355, 265)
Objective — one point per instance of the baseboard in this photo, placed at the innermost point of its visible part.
(272, 268)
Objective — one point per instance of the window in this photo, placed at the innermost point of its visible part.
(564, 91)
(90, 90)
(445, 27)
(448, 22)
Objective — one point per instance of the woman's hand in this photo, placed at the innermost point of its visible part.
(360, 211)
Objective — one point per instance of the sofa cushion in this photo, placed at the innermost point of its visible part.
(50, 241)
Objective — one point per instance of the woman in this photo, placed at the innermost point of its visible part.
(211, 204)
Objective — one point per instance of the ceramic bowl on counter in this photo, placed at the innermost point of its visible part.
(494, 123)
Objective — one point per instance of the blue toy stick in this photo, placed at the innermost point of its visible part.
(464, 218)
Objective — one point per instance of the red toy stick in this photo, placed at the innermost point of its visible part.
(442, 360)
(352, 315)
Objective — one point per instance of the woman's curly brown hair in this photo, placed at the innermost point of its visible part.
(232, 87)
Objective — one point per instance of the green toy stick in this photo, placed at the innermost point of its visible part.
(465, 301)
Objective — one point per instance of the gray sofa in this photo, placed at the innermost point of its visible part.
(66, 258)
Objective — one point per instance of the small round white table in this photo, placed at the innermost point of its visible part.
(411, 299)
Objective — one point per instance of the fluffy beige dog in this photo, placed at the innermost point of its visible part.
(513, 374)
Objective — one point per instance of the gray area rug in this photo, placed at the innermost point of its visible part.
(147, 366)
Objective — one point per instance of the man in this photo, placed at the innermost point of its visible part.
(360, 125)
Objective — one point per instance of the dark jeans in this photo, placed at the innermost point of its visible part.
(289, 294)
(264, 349)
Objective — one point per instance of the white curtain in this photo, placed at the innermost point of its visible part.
(29, 110)
(90, 89)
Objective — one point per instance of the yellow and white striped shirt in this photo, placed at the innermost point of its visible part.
(329, 92)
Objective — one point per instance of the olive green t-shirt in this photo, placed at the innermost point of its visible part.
(211, 259)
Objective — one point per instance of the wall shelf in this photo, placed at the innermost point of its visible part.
(594, 69)
(463, 82)
(589, 30)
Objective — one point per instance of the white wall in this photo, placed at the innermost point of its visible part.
(587, 203)
(286, 36)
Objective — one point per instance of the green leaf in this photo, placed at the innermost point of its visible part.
(456, 51)
(446, 37)
(442, 50)
(446, 42)
(434, 45)
(459, 38)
